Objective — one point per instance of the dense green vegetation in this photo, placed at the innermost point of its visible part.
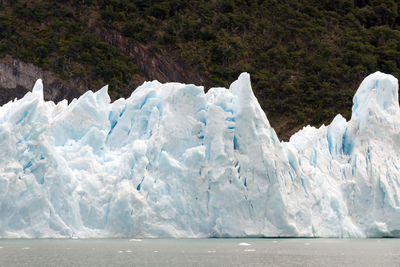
(306, 57)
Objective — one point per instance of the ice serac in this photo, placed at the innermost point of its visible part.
(173, 161)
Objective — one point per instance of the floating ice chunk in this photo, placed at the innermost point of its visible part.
(135, 240)
(244, 244)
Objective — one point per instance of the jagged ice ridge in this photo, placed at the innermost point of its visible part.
(173, 161)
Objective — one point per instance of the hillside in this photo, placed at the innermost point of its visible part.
(306, 58)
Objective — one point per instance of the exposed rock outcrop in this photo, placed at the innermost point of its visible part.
(163, 65)
(17, 78)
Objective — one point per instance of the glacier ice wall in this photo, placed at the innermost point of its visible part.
(173, 161)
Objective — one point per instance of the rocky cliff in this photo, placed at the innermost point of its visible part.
(17, 78)
(163, 65)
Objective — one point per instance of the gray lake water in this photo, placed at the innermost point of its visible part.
(200, 252)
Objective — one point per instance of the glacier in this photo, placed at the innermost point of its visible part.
(174, 161)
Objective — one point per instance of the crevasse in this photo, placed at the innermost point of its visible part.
(173, 161)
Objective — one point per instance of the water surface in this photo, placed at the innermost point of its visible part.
(200, 252)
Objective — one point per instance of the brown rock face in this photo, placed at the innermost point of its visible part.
(163, 65)
(17, 78)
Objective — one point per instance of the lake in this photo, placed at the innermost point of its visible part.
(200, 252)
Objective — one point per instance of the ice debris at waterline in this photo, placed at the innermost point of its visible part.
(172, 161)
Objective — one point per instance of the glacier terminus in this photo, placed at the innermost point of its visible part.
(173, 161)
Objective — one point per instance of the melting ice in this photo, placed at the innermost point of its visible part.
(173, 161)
